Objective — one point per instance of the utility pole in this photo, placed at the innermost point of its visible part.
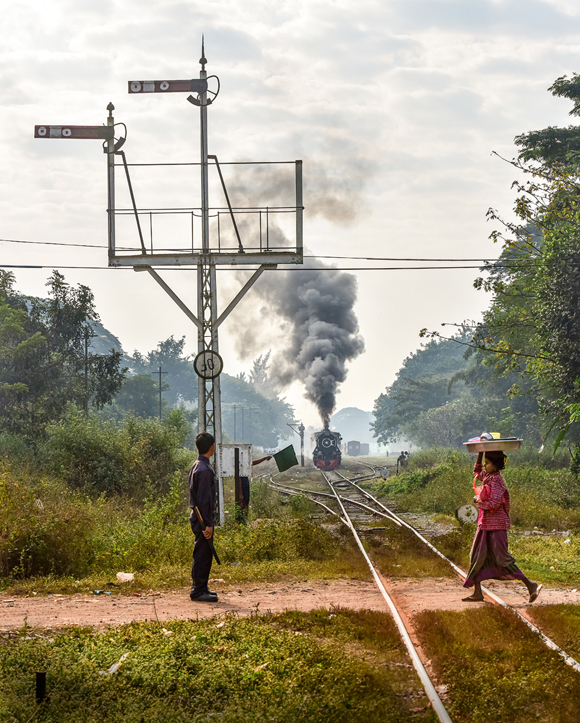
(262, 248)
(235, 432)
(299, 429)
(87, 335)
(159, 373)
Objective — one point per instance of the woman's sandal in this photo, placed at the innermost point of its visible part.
(472, 598)
(534, 595)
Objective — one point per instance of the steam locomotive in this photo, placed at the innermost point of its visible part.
(327, 454)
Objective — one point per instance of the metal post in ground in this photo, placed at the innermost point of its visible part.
(160, 399)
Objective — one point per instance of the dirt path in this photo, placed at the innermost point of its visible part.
(101, 610)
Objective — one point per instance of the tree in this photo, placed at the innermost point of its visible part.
(265, 419)
(181, 378)
(43, 365)
(534, 319)
(421, 384)
(532, 328)
(139, 396)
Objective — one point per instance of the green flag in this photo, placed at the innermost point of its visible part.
(285, 458)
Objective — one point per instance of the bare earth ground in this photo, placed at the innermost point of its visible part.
(413, 596)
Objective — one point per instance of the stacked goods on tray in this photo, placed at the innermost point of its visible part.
(493, 442)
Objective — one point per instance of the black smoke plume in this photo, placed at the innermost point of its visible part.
(322, 330)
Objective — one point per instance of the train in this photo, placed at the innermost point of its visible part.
(327, 454)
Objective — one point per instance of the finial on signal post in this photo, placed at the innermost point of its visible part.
(203, 59)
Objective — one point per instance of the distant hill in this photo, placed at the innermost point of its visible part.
(353, 424)
(104, 340)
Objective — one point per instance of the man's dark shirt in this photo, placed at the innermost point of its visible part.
(202, 489)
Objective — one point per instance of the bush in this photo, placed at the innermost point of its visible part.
(45, 529)
(14, 447)
(132, 458)
(276, 540)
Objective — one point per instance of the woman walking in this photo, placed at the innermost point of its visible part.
(490, 558)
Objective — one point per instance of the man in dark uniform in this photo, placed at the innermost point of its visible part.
(202, 496)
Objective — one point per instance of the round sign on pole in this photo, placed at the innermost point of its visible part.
(466, 513)
(208, 364)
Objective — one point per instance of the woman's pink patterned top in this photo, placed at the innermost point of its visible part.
(496, 510)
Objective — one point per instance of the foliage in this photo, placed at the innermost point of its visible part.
(533, 324)
(445, 394)
(139, 396)
(134, 457)
(421, 384)
(259, 420)
(309, 667)
(44, 359)
(44, 528)
(440, 483)
(496, 669)
(47, 528)
(251, 410)
(180, 380)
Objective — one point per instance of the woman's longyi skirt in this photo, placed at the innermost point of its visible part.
(490, 559)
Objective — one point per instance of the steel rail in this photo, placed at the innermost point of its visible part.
(568, 659)
(355, 503)
(316, 502)
(370, 497)
(432, 694)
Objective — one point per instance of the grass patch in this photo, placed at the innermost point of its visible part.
(536, 556)
(399, 553)
(561, 623)
(496, 669)
(291, 667)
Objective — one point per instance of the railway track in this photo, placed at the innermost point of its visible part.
(372, 507)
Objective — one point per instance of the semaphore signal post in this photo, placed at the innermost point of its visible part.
(227, 235)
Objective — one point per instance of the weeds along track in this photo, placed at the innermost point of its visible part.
(339, 484)
(430, 690)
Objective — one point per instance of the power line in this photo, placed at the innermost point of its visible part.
(307, 256)
(244, 268)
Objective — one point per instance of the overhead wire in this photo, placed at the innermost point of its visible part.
(306, 256)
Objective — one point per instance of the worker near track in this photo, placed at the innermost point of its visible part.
(245, 483)
(202, 496)
(490, 558)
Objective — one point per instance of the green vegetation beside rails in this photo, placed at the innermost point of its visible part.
(327, 665)
(399, 553)
(55, 539)
(440, 481)
(561, 623)
(496, 669)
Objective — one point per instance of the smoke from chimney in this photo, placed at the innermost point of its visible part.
(316, 307)
(322, 330)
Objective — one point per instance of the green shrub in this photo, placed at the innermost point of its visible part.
(131, 458)
(14, 447)
(44, 529)
(276, 540)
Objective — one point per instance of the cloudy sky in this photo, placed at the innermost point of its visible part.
(395, 108)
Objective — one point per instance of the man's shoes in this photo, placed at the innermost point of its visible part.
(209, 597)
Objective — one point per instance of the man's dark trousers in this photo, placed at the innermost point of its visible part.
(202, 559)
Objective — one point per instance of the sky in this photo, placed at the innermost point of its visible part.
(395, 108)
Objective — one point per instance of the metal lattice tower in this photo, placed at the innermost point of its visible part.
(264, 249)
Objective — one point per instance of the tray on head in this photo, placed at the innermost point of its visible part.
(493, 445)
